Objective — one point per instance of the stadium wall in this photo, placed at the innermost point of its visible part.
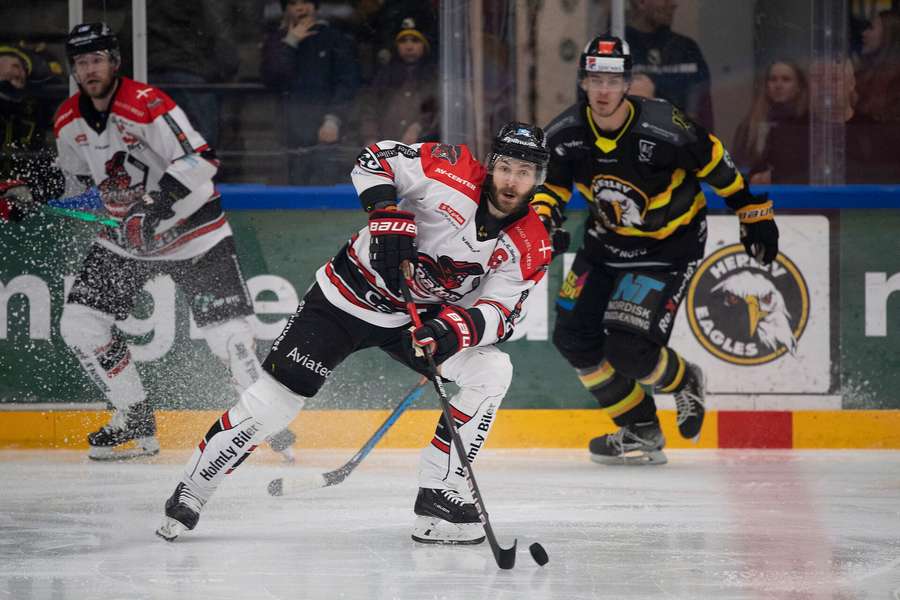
(827, 377)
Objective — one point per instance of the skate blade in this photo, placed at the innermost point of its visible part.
(138, 448)
(437, 531)
(656, 457)
(170, 529)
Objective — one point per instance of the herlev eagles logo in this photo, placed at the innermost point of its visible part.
(445, 152)
(745, 313)
(445, 277)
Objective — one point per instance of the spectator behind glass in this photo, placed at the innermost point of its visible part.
(878, 76)
(786, 157)
(402, 101)
(192, 43)
(673, 61)
(315, 65)
(782, 97)
(25, 122)
(642, 86)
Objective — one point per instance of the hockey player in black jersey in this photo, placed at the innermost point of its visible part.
(639, 164)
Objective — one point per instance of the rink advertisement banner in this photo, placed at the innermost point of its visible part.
(769, 332)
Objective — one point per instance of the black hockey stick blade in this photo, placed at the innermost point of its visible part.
(290, 485)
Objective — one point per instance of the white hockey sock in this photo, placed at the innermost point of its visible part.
(264, 407)
(103, 353)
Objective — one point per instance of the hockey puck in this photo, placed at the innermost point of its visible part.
(276, 489)
(538, 554)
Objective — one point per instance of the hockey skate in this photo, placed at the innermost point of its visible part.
(445, 517)
(282, 443)
(182, 513)
(638, 443)
(129, 434)
(690, 403)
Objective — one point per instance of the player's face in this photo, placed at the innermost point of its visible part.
(782, 84)
(605, 92)
(11, 70)
(96, 72)
(513, 182)
(410, 49)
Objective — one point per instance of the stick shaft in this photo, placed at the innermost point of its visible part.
(79, 214)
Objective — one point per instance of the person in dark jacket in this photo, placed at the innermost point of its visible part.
(315, 66)
(673, 61)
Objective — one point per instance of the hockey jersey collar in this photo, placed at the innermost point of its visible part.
(487, 226)
(94, 118)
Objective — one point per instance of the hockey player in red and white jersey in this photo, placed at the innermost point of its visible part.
(154, 172)
(478, 250)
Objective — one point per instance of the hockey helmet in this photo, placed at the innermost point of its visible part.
(605, 54)
(523, 142)
(92, 37)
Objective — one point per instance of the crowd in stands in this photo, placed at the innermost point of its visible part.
(324, 78)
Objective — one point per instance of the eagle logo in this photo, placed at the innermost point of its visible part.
(745, 313)
(619, 203)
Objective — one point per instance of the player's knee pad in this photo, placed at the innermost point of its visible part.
(630, 354)
(579, 350)
(269, 403)
(233, 343)
(85, 328)
(480, 373)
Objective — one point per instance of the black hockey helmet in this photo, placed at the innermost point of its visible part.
(92, 37)
(605, 54)
(523, 142)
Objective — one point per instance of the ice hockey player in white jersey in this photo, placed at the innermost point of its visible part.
(478, 250)
(154, 172)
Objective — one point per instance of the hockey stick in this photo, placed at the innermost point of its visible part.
(505, 557)
(288, 486)
(79, 214)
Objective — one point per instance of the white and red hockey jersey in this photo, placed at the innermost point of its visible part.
(490, 272)
(145, 143)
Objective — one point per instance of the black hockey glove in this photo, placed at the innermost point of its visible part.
(452, 330)
(553, 219)
(759, 233)
(16, 201)
(139, 225)
(393, 241)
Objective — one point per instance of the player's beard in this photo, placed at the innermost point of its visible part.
(504, 204)
(105, 88)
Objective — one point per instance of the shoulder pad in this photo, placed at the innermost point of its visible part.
(565, 133)
(660, 120)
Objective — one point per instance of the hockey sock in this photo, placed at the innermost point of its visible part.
(622, 398)
(264, 407)
(668, 375)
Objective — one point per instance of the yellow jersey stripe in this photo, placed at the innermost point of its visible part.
(732, 187)
(659, 370)
(563, 193)
(718, 151)
(607, 145)
(679, 376)
(596, 378)
(668, 228)
(663, 198)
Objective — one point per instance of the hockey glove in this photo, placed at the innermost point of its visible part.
(759, 233)
(16, 201)
(139, 225)
(452, 330)
(393, 241)
(553, 219)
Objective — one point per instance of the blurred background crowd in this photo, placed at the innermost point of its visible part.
(288, 90)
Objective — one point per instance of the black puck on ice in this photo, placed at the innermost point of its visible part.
(276, 488)
(538, 554)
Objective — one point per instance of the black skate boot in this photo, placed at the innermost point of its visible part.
(638, 443)
(182, 513)
(690, 402)
(136, 424)
(282, 443)
(445, 517)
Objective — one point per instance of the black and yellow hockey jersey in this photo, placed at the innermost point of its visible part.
(642, 182)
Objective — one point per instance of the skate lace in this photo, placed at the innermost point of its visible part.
(685, 406)
(190, 499)
(453, 497)
(116, 423)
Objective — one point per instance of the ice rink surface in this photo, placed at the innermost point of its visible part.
(711, 524)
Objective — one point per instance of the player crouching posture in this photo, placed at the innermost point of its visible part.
(478, 249)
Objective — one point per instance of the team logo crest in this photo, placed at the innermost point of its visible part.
(745, 313)
(446, 152)
(619, 203)
(445, 277)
